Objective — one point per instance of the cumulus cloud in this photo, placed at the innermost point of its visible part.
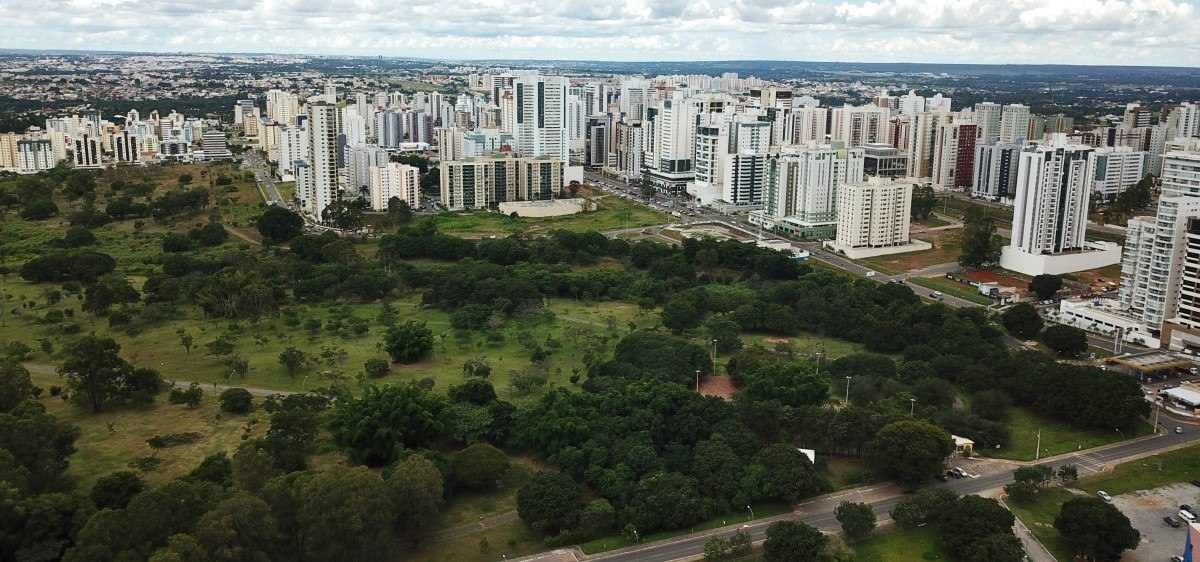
(1147, 32)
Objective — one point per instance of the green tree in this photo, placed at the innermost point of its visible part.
(549, 502)
(38, 442)
(95, 372)
(980, 243)
(408, 342)
(342, 514)
(1045, 286)
(1068, 473)
(923, 201)
(681, 313)
(220, 347)
(415, 487)
(375, 368)
(793, 541)
(478, 467)
(236, 401)
(252, 467)
(239, 529)
(1065, 340)
(781, 472)
(726, 332)
(971, 519)
(1022, 320)
(1095, 530)
(185, 339)
(278, 224)
(923, 507)
(857, 519)
(107, 291)
(15, 385)
(375, 426)
(113, 491)
(236, 366)
(293, 361)
(911, 452)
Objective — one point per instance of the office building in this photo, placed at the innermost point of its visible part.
(884, 160)
(125, 147)
(214, 146)
(87, 151)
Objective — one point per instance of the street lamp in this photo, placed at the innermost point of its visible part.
(697, 380)
(751, 510)
(714, 355)
(847, 389)
(912, 406)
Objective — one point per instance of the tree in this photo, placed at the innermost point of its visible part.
(236, 366)
(416, 489)
(1065, 340)
(681, 314)
(15, 385)
(781, 472)
(344, 214)
(476, 367)
(996, 547)
(408, 342)
(220, 347)
(375, 368)
(1022, 492)
(478, 467)
(475, 391)
(980, 243)
(239, 529)
(970, 519)
(991, 404)
(857, 519)
(923, 201)
(344, 514)
(1095, 529)
(1068, 473)
(39, 443)
(113, 491)
(923, 507)
(236, 401)
(185, 339)
(1045, 286)
(252, 467)
(293, 361)
(215, 468)
(1022, 320)
(40, 209)
(726, 332)
(664, 500)
(793, 541)
(718, 549)
(278, 224)
(375, 426)
(910, 452)
(99, 376)
(107, 291)
(549, 502)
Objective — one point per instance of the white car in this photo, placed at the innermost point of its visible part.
(1104, 496)
(870, 274)
(1186, 516)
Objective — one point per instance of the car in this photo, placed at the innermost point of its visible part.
(1104, 496)
(1176, 559)
(871, 273)
(1178, 429)
(1173, 521)
(1186, 516)
(936, 295)
(1187, 508)
(1196, 483)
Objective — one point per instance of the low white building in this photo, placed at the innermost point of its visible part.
(1094, 255)
(1103, 316)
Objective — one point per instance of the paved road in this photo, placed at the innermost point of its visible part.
(819, 512)
(252, 160)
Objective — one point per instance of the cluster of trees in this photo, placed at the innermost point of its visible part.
(980, 242)
(1023, 321)
(969, 527)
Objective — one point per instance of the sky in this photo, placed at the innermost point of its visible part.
(1133, 32)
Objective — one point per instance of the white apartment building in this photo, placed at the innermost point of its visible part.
(802, 186)
(483, 183)
(807, 124)
(987, 116)
(874, 218)
(449, 142)
(8, 151)
(954, 151)
(1117, 169)
(540, 120)
(995, 170)
(35, 156)
(322, 158)
(629, 146)
(860, 125)
(921, 140)
(393, 179)
(1014, 124)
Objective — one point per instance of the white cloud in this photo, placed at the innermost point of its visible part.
(1148, 32)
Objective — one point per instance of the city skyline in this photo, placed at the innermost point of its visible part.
(1089, 32)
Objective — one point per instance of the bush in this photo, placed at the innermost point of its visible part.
(173, 439)
(237, 401)
(190, 396)
(478, 467)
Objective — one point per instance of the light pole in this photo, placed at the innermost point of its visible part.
(714, 356)
(751, 510)
(912, 406)
(1157, 409)
(697, 381)
(847, 389)
(1037, 453)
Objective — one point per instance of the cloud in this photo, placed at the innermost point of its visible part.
(1145, 32)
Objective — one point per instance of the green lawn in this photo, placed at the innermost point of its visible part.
(618, 541)
(1057, 438)
(466, 507)
(953, 288)
(899, 545)
(612, 213)
(511, 540)
(805, 344)
(1039, 516)
(1151, 472)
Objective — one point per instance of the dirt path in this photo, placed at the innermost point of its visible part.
(43, 371)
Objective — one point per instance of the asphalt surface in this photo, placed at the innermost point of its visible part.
(252, 159)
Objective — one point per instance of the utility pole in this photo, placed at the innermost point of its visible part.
(714, 356)
(1037, 454)
(847, 389)
(912, 406)
(697, 381)
(1157, 409)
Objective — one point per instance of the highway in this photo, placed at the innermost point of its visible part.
(252, 160)
(819, 512)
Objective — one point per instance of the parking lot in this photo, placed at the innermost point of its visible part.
(1146, 509)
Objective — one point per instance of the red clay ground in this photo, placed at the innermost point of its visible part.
(717, 386)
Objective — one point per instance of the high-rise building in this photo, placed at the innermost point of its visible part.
(8, 151)
(359, 162)
(873, 214)
(995, 170)
(1117, 169)
(860, 125)
(449, 142)
(987, 116)
(540, 123)
(322, 158)
(922, 136)
(34, 156)
(484, 183)
(884, 160)
(630, 143)
(215, 146)
(394, 180)
(808, 124)
(125, 147)
(1014, 124)
(802, 184)
(1054, 185)
(954, 151)
(87, 151)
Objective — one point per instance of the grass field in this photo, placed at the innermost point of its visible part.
(806, 344)
(1180, 465)
(569, 325)
(612, 213)
(466, 507)
(947, 245)
(899, 545)
(618, 541)
(1039, 516)
(510, 540)
(110, 440)
(952, 288)
(1057, 438)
